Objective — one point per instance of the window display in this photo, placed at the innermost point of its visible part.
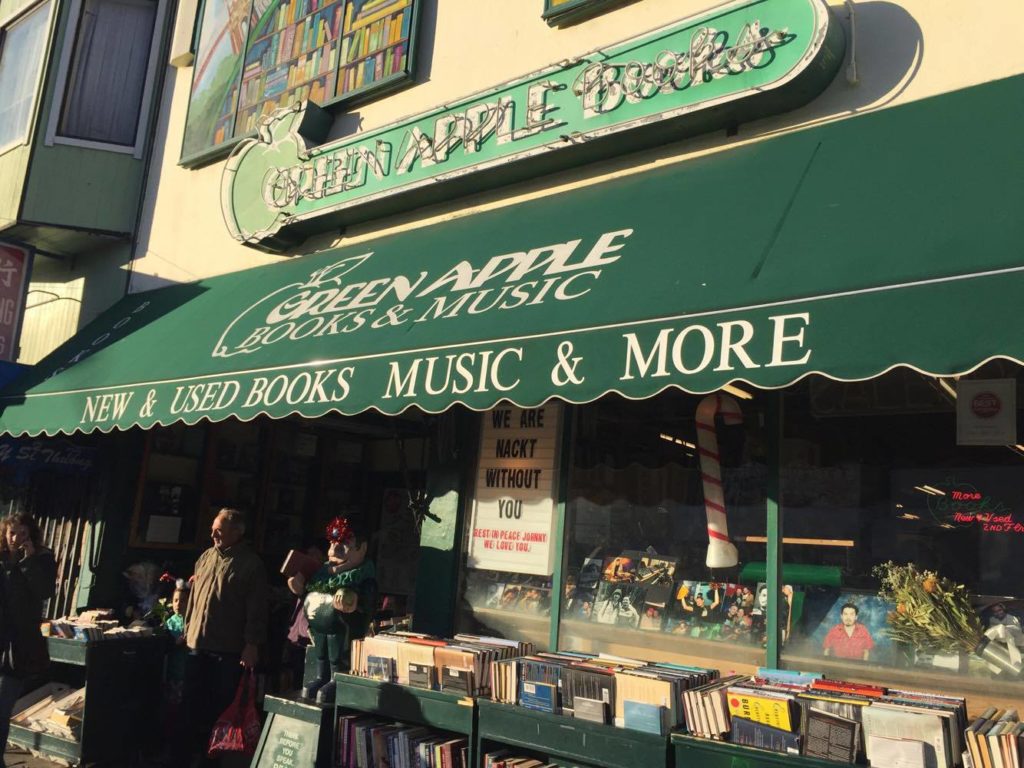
(506, 604)
(908, 544)
(665, 527)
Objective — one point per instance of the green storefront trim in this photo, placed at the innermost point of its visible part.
(763, 57)
(883, 240)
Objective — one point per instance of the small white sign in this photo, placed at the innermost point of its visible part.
(513, 509)
(163, 529)
(986, 412)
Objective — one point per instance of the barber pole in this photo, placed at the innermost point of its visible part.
(722, 552)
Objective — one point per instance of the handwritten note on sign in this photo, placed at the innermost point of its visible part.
(514, 504)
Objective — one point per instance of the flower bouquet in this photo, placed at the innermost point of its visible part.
(935, 614)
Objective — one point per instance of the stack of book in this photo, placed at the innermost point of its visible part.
(919, 729)
(96, 624)
(370, 742)
(996, 739)
(602, 688)
(459, 665)
(846, 722)
(505, 759)
(54, 708)
(706, 708)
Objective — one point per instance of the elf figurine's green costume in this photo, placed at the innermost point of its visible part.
(338, 602)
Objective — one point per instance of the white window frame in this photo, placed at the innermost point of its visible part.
(59, 93)
(6, 24)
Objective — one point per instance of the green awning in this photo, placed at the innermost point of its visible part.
(893, 238)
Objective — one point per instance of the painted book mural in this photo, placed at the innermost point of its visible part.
(375, 42)
(256, 56)
(218, 62)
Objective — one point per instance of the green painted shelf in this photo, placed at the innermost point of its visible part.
(122, 679)
(565, 740)
(403, 703)
(704, 753)
(47, 743)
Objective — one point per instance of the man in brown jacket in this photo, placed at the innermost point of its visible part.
(225, 623)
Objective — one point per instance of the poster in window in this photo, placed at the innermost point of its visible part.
(854, 629)
(986, 412)
(512, 518)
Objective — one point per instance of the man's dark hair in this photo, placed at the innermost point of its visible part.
(856, 610)
(35, 535)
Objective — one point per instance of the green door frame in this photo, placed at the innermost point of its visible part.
(773, 522)
(565, 462)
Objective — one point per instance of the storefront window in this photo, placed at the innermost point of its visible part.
(510, 534)
(904, 469)
(636, 574)
(506, 604)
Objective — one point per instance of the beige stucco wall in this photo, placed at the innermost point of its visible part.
(66, 294)
(904, 52)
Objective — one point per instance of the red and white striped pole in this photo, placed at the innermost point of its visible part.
(722, 552)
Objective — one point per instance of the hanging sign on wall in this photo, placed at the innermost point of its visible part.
(986, 412)
(741, 61)
(513, 508)
(15, 264)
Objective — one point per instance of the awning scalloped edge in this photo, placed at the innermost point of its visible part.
(526, 404)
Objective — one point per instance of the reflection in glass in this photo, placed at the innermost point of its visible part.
(871, 472)
(637, 541)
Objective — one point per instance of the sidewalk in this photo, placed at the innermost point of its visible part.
(15, 757)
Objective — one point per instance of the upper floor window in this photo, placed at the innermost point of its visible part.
(107, 70)
(562, 11)
(22, 45)
(255, 56)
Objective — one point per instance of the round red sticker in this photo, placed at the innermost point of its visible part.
(985, 405)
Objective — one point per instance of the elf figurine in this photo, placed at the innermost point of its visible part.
(338, 603)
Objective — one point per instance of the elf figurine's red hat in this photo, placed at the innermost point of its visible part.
(339, 530)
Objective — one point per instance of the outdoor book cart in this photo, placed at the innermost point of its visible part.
(490, 726)
(705, 753)
(566, 740)
(122, 679)
(407, 704)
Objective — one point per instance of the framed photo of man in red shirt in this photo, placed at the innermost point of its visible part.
(853, 629)
(849, 639)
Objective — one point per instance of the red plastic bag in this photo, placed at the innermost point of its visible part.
(237, 730)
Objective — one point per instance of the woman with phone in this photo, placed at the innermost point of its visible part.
(28, 575)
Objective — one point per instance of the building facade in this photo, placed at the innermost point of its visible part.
(741, 282)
